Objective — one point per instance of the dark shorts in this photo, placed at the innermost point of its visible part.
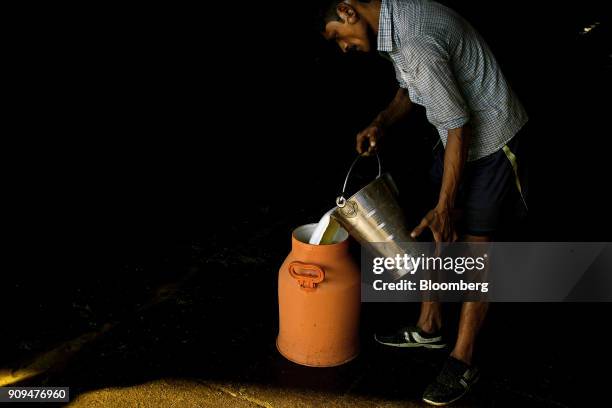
(488, 194)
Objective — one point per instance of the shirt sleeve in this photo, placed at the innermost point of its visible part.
(434, 78)
(398, 72)
(398, 76)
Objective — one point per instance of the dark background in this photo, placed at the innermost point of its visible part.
(137, 122)
(143, 140)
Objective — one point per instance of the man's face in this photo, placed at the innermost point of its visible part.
(351, 33)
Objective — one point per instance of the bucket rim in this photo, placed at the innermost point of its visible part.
(385, 175)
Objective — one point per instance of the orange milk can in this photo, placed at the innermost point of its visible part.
(319, 300)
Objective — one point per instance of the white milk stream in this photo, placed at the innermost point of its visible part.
(327, 231)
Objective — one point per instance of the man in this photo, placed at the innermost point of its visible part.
(443, 64)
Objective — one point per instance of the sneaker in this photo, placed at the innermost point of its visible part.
(453, 382)
(410, 337)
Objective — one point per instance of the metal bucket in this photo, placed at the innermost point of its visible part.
(373, 215)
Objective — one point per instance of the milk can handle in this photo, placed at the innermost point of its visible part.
(307, 282)
(341, 201)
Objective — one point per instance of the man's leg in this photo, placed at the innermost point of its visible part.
(470, 321)
(472, 316)
(458, 374)
(430, 319)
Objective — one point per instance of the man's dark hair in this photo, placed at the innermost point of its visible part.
(327, 12)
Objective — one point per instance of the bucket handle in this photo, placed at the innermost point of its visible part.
(341, 201)
(307, 282)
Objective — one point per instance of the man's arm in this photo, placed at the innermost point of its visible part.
(398, 109)
(455, 155)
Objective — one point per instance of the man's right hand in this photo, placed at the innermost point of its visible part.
(368, 139)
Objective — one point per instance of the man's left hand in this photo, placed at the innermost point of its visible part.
(440, 223)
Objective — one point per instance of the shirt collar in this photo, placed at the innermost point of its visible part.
(385, 28)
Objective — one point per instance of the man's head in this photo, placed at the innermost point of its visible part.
(353, 24)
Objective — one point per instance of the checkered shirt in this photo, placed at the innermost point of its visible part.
(447, 67)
